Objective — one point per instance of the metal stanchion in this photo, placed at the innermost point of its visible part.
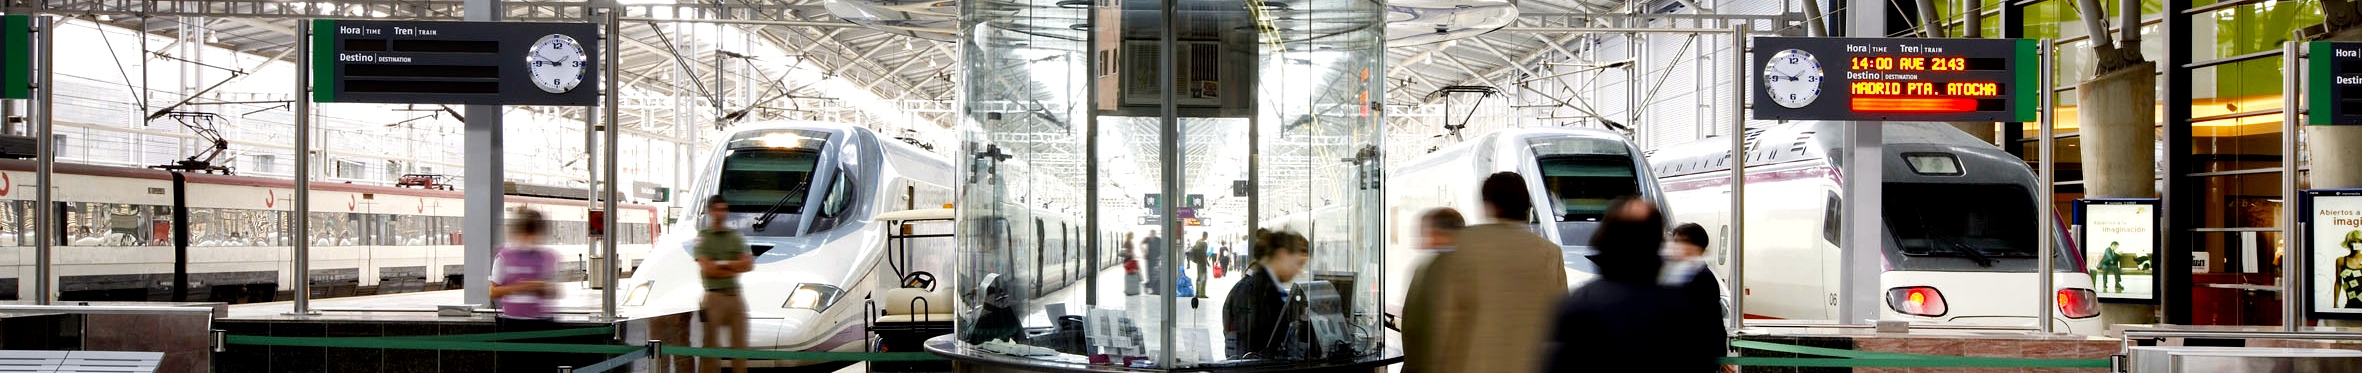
(657, 362)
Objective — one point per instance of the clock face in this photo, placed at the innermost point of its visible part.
(556, 63)
(1792, 78)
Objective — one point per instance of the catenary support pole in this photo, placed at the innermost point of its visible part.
(1858, 293)
(300, 231)
(482, 209)
(2042, 209)
(44, 147)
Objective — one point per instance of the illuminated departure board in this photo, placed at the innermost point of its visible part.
(2335, 92)
(1895, 79)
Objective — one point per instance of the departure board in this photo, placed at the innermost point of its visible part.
(1895, 79)
(487, 63)
(2334, 94)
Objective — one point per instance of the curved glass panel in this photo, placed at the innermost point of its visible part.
(1115, 171)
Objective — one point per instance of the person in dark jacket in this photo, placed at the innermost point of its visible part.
(1686, 265)
(1625, 312)
(1253, 315)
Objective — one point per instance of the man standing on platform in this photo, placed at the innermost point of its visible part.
(1495, 314)
(722, 255)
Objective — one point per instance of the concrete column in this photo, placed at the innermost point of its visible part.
(2118, 127)
(482, 209)
(2336, 150)
(2118, 123)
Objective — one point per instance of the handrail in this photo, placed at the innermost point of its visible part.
(151, 310)
(2130, 335)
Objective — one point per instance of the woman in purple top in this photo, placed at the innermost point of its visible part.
(521, 275)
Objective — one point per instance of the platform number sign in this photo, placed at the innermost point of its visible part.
(484, 63)
(2334, 95)
(1894, 79)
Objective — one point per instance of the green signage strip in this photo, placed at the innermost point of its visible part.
(2029, 81)
(323, 60)
(2334, 90)
(16, 56)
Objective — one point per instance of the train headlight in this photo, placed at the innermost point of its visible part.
(1917, 301)
(638, 296)
(812, 296)
(2078, 303)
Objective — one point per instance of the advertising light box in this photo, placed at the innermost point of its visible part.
(2332, 244)
(2119, 242)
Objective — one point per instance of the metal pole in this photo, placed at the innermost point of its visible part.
(1091, 168)
(301, 228)
(656, 358)
(1738, 177)
(2291, 87)
(1170, 150)
(614, 113)
(2050, 191)
(45, 148)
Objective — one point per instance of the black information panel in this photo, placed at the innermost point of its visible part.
(485, 63)
(2336, 80)
(1895, 79)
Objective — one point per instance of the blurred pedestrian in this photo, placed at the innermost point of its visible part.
(1254, 313)
(1502, 280)
(1422, 346)
(1131, 266)
(1686, 267)
(521, 286)
(1198, 258)
(1155, 250)
(1625, 312)
(722, 255)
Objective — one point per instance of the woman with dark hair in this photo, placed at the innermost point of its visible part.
(1251, 315)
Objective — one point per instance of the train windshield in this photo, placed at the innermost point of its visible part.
(755, 179)
(1962, 227)
(1582, 174)
(1583, 183)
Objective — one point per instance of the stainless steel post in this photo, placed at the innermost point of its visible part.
(1170, 151)
(2291, 87)
(2050, 191)
(607, 66)
(45, 148)
(300, 231)
(1738, 177)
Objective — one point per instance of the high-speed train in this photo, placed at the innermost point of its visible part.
(803, 194)
(1959, 217)
(116, 226)
(1571, 175)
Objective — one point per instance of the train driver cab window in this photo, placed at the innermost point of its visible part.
(833, 205)
(1583, 174)
(754, 180)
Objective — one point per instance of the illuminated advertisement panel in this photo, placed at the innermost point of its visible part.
(2119, 241)
(2332, 243)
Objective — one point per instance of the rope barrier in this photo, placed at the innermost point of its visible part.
(419, 344)
(503, 336)
(617, 362)
(799, 355)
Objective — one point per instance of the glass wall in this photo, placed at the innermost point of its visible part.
(1172, 132)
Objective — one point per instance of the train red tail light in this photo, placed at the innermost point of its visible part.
(2078, 303)
(1916, 300)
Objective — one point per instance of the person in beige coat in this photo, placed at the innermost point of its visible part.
(1488, 307)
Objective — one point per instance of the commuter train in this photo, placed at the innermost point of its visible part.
(1571, 174)
(803, 195)
(1039, 250)
(1959, 218)
(116, 235)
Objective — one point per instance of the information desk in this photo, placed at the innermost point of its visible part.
(968, 359)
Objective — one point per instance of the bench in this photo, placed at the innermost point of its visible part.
(14, 361)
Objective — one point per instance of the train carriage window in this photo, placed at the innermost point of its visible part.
(1962, 227)
(755, 179)
(1583, 184)
(1832, 222)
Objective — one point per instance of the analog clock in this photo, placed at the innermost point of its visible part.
(1792, 78)
(556, 63)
